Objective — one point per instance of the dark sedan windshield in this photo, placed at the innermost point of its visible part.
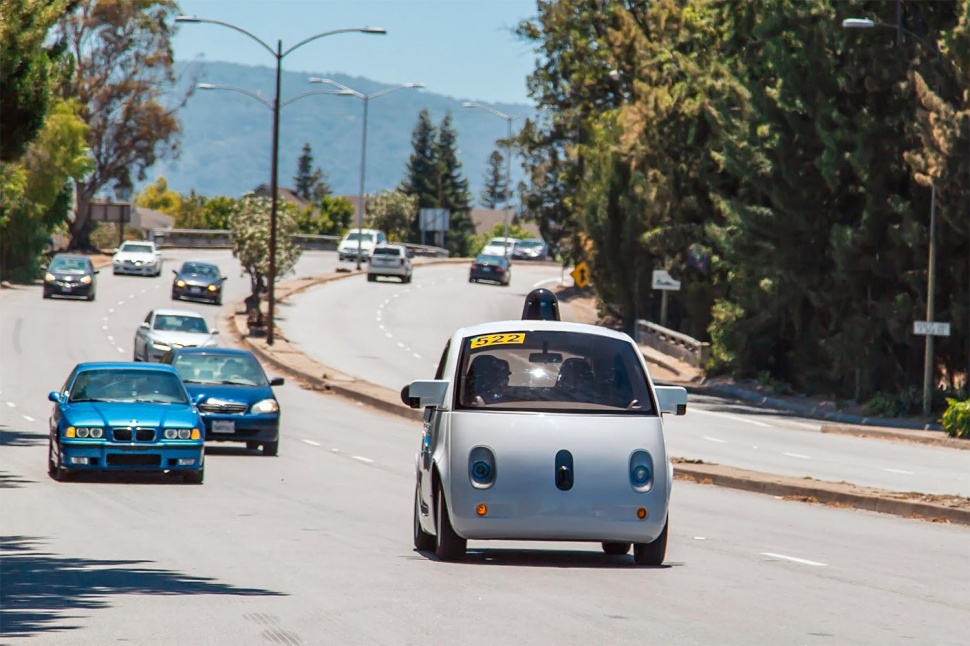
(240, 370)
(121, 385)
(66, 263)
(203, 270)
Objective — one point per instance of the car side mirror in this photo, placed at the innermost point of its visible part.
(672, 399)
(143, 325)
(198, 399)
(276, 381)
(424, 392)
(175, 271)
(213, 332)
(97, 271)
(54, 396)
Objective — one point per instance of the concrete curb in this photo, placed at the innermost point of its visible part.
(931, 438)
(316, 376)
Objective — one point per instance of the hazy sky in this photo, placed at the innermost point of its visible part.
(460, 48)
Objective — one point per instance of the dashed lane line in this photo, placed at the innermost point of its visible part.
(900, 471)
(29, 418)
(362, 459)
(797, 455)
(311, 442)
(793, 559)
(714, 439)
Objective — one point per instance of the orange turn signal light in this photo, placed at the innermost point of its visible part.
(481, 510)
(195, 434)
(641, 513)
(70, 431)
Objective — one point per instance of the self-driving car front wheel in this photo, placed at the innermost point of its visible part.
(652, 553)
(423, 541)
(616, 549)
(448, 545)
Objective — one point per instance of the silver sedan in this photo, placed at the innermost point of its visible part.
(165, 329)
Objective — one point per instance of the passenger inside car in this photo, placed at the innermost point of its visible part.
(576, 377)
(487, 380)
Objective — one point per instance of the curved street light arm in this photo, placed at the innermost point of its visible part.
(497, 113)
(339, 86)
(233, 88)
(394, 89)
(226, 24)
(310, 93)
(363, 30)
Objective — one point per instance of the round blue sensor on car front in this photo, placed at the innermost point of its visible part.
(481, 470)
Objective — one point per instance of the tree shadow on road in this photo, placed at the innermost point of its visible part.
(14, 437)
(12, 481)
(43, 592)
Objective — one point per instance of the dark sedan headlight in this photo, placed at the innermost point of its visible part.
(213, 288)
(180, 283)
(265, 406)
(85, 280)
(49, 277)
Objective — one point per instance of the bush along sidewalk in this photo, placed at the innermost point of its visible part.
(956, 419)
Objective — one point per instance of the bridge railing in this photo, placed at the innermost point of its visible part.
(673, 343)
(222, 239)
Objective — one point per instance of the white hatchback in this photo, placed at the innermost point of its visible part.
(543, 430)
(389, 260)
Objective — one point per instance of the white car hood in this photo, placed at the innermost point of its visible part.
(134, 257)
(181, 338)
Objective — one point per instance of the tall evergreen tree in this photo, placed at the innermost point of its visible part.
(422, 172)
(303, 180)
(453, 190)
(495, 181)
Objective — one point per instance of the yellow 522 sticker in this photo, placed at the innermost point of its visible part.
(498, 339)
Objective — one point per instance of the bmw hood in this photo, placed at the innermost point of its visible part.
(111, 414)
(248, 395)
(182, 338)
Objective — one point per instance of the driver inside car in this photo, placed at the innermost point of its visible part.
(488, 379)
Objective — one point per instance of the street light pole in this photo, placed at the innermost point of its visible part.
(346, 91)
(508, 159)
(279, 54)
(868, 23)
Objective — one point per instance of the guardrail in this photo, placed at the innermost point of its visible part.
(222, 239)
(673, 343)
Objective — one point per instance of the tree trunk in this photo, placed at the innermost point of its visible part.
(82, 226)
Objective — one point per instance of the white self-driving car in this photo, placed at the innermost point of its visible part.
(137, 257)
(543, 430)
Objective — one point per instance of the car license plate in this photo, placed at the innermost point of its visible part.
(223, 426)
(195, 290)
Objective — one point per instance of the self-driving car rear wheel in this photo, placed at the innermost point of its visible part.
(616, 549)
(423, 541)
(448, 545)
(54, 468)
(652, 553)
(271, 448)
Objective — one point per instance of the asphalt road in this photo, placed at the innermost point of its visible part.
(314, 547)
(390, 334)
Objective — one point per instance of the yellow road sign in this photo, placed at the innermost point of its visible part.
(580, 275)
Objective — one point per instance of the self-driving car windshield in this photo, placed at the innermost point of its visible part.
(242, 370)
(548, 371)
(120, 385)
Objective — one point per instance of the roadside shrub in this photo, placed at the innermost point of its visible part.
(956, 419)
(104, 235)
(881, 405)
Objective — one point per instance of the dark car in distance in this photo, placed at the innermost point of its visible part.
(491, 268)
(198, 281)
(234, 395)
(71, 275)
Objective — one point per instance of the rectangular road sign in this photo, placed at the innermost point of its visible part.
(662, 280)
(434, 219)
(931, 328)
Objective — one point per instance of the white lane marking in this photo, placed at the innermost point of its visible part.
(335, 450)
(714, 439)
(699, 538)
(734, 417)
(111, 338)
(400, 345)
(416, 355)
(29, 418)
(544, 282)
(121, 350)
(111, 310)
(797, 455)
(900, 471)
(143, 291)
(362, 459)
(388, 335)
(381, 326)
(311, 442)
(793, 559)
(11, 404)
(104, 327)
(121, 302)
(106, 318)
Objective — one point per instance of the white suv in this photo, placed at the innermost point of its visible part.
(363, 240)
(389, 260)
(500, 247)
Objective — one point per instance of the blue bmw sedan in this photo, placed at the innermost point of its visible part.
(234, 395)
(125, 417)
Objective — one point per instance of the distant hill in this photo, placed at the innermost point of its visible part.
(227, 136)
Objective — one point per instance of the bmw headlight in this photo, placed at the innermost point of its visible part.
(89, 431)
(170, 433)
(49, 277)
(265, 406)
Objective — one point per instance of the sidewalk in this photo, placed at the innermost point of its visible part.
(287, 359)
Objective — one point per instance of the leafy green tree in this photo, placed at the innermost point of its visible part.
(332, 217)
(453, 190)
(122, 77)
(37, 190)
(29, 64)
(160, 197)
(249, 223)
(392, 212)
(422, 172)
(495, 181)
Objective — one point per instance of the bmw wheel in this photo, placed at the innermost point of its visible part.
(54, 469)
(448, 545)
